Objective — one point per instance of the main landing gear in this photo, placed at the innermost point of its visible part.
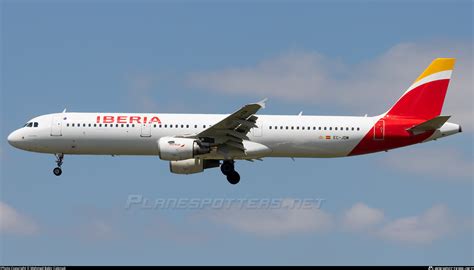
(59, 161)
(227, 168)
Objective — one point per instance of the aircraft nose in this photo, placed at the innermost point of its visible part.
(14, 139)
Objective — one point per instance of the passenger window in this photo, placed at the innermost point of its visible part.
(176, 126)
(128, 125)
(298, 128)
(335, 128)
(182, 126)
(123, 125)
(166, 126)
(286, 127)
(187, 126)
(324, 128)
(84, 125)
(116, 125)
(330, 128)
(154, 126)
(133, 125)
(90, 125)
(67, 125)
(270, 127)
(72, 124)
(302, 128)
(195, 126)
(35, 124)
(319, 128)
(100, 125)
(95, 125)
(358, 128)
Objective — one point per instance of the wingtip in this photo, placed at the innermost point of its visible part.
(262, 103)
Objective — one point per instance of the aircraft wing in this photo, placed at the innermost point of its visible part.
(233, 129)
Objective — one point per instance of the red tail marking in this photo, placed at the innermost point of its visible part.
(422, 102)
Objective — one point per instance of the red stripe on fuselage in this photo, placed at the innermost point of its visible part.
(395, 135)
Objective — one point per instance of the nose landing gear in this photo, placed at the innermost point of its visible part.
(59, 161)
(228, 169)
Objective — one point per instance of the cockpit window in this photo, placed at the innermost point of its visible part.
(35, 124)
(30, 124)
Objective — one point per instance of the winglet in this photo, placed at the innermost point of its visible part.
(262, 103)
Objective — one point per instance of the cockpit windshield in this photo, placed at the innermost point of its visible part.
(31, 124)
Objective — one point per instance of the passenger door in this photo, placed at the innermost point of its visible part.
(56, 126)
(379, 130)
(146, 130)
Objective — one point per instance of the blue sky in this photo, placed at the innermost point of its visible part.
(407, 206)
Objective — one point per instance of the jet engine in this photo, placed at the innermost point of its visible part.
(181, 148)
(193, 165)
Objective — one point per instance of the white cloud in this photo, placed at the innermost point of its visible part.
(435, 223)
(13, 222)
(431, 225)
(273, 222)
(444, 163)
(361, 217)
(371, 86)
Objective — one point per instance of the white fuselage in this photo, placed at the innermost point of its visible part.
(285, 136)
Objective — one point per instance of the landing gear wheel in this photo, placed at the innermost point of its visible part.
(233, 177)
(59, 161)
(227, 167)
(57, 171)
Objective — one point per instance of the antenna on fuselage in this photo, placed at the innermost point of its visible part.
(300, 114)
(64, 110)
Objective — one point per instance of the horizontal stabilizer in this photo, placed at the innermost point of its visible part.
(429, 125)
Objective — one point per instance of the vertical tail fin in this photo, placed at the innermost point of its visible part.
(424, 98)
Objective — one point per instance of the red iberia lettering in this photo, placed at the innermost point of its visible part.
(135, 119)
(121, 119)
(108, 119)
(155, 119)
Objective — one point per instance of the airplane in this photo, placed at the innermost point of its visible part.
(193, 143)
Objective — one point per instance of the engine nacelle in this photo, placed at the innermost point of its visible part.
(180, 148)
(193, 165)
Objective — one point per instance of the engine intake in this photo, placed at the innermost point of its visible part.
(181, 148)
